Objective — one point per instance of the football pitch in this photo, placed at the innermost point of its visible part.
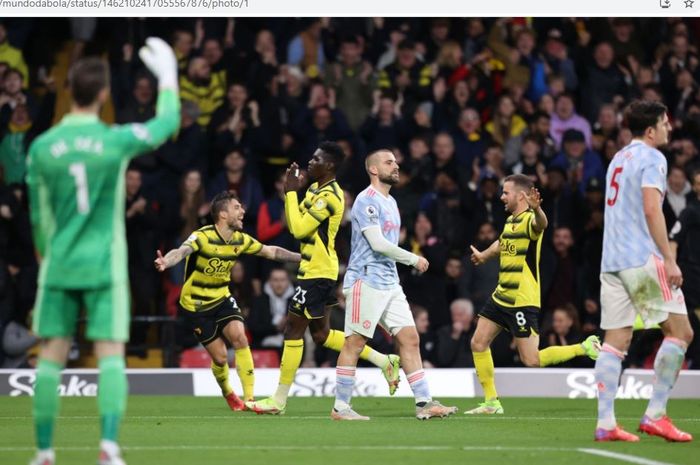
(190, 430)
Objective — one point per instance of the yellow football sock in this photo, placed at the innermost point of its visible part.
(485, 372)
(558, 354)
(336, 339)
(291, 359)
(246, 372)
(221, 375)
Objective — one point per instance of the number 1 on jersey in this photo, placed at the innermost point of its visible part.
(77, 170)
(614, 185)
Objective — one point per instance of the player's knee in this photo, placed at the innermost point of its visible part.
(478, 345)
(686, 335)
(219, 359)
(355, 344)
(531, 360)
(319, 335)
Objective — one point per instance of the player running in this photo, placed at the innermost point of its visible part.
(75, 174)
(206, 302)
(374, 295)
(639, 275)
(515, 304)
(315, 223)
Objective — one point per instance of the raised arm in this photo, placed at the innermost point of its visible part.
(171, 258)
(534, 200)
(272, 252)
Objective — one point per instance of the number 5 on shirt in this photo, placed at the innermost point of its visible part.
(614, 185)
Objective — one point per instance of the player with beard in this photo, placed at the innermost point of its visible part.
(315, 223)
(374, 295)
(206, 303)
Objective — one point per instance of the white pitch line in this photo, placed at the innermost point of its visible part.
(238, 447)
(622, 457)
(322, 417)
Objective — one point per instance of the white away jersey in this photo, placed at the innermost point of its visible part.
(627, 242)
(371, 208)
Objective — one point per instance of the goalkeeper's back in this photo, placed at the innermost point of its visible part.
(76, 184)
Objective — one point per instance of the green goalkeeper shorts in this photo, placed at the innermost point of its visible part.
(107, 308)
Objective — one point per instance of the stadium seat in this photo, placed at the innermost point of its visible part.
(266, 358)
(195, 358)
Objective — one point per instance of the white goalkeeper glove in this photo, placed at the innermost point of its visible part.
(160, 60)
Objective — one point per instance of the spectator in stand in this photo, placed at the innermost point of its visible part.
(484, 202)
(680, 56)
(140, 106)
(306, 49)
(580, 163)
(235, 177)
(183, 45)
(427, 338)
(470, 142)
(604, 81)
(18, 129)
(421, 289)
(264, 66)
(202, 87)
(565, 330)
(384, 127)
(563, 274)
(236, 123)
(557, 59)
(530, 164)
(565, 117)
(559, 199)
(505, 126)
(677, 195)
(408, 77)
(453, 340)
(606, 127)
(268, 315)
(12, 93)
(350, 78)
(12, 56)
(319, 121)
(272, 223)
(141, 233)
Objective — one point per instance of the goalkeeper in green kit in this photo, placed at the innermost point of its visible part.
(75, 173)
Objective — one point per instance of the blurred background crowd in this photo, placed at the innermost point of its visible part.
(463, 102)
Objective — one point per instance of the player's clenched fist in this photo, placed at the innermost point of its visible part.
(421, 265)
(160, 60)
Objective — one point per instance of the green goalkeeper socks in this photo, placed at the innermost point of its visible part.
(46, 401)
(112, 391)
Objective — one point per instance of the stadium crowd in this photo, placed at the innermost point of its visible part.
(462, 103)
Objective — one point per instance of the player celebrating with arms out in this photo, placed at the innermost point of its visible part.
(515, 304)
(373, 292)
(207, 304)
(639, 275)
(315, 223)
(75, 174)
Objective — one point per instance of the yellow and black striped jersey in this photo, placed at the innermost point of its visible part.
(519, 274)
(315, 223)
(208, 267)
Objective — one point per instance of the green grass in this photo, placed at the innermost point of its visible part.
(187, 430)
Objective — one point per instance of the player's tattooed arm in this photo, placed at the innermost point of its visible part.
(171, 258)
(272, 252)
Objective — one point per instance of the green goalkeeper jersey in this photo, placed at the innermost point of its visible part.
(75, 174)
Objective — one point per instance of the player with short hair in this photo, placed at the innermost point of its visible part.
(639, 275)
(315, 223)
(206, 301)
(515, 304)
(75, 174)
(373, 293)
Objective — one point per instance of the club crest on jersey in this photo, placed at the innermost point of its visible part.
(320, 204)
(366, 324)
